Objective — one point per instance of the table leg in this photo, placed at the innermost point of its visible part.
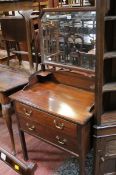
(6, 111)
(82, 165)
(23, 144)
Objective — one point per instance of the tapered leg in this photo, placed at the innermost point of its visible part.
(8, 52)
(18, 55)
(98, 164)
(23, 144)
(6, 111)
(82, 165)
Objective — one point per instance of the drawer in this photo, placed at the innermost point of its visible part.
(50, 135)
(47, 120)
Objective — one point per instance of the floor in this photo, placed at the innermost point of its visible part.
(47, 157)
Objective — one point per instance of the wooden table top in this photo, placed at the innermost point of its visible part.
(11, 78)
(58, 99)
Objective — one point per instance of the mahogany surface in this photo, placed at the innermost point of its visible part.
(59, 99)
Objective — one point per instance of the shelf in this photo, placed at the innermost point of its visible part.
(109, 87)
(109, 55)
(108, 117)
(109, 18)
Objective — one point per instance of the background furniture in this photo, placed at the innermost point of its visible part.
(17, 165)
(15, 5)
(105, 112)
(11, 81)
(15, 40)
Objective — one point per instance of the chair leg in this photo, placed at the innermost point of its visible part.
(8, 51)
(18, 55)
(37, 57)
(6, 108)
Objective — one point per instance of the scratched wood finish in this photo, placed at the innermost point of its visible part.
(10, 78)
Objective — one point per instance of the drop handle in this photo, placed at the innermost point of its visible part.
(27, 113)
(30, 128)
(58, 125)
(60, 140)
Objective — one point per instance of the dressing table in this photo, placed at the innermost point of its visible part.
(57, 104)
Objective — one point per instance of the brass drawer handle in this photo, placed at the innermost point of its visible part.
(58, 125)
(30, 128)
(27, 113)
(61, 141)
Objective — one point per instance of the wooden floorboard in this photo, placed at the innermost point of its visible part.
(47, 157)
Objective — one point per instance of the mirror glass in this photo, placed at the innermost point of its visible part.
(69, 38)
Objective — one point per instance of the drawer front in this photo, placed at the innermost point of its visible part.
(46, 119)
(51, 135)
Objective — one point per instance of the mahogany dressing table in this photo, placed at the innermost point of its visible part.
(57, 105)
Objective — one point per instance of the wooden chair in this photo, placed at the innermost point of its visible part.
(17, 30)
(17, 165)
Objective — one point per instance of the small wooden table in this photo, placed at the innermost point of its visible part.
(11, 81)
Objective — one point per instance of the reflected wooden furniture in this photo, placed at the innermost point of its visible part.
(11, 81)
(72, 3)
(17, 165)
(55, 110)
(105, 115)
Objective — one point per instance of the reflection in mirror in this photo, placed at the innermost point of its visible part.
(69, 38)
